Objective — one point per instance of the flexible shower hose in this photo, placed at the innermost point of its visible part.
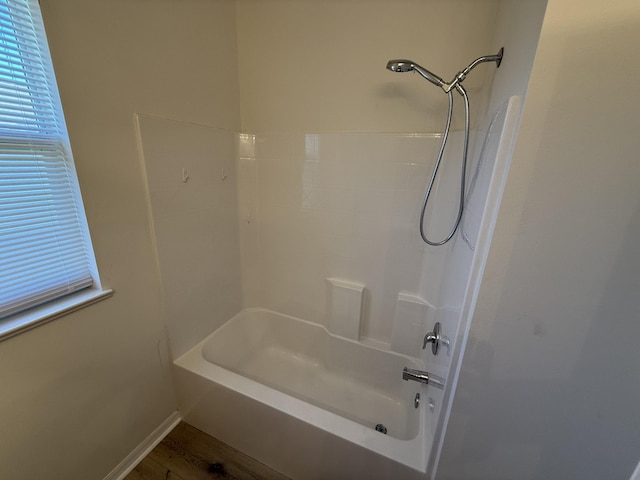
(463, 171)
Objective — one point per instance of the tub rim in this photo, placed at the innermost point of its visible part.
(411, 452)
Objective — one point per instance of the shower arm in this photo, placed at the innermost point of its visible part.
(461, 75)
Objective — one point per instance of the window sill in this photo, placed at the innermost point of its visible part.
(35, 317)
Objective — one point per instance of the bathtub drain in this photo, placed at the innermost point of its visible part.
(381, 428)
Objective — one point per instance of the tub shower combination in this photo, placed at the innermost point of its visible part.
(312, 403)
(328, 386)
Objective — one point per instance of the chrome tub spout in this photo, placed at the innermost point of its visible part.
(422, 377)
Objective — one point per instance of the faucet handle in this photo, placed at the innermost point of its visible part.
(435, 338)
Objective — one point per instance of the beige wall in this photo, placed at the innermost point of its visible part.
(80, 393)
(319, 66)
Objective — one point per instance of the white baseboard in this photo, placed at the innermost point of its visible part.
(129, 463)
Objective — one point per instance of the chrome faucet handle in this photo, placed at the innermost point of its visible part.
(435, 338)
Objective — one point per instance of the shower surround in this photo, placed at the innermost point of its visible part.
(313, 228)
(311, 212)
(319, 206)
(264, 220)
(277, 220)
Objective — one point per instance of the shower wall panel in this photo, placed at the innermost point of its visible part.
(192, 189)
(313, 206)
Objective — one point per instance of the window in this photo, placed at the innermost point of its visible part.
(45, 250)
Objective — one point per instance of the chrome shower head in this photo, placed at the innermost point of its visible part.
(410, 66)
(400, 65)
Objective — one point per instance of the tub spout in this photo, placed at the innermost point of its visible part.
(422, 377)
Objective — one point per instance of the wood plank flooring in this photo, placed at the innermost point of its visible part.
(189, 454)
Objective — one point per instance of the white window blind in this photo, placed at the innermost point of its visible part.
(45, 251)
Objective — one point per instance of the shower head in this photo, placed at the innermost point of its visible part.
(409, 66)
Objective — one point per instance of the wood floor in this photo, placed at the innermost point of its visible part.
(189, 454)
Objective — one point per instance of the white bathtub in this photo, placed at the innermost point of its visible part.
(305, 402)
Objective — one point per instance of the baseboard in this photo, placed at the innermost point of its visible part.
(129, 463)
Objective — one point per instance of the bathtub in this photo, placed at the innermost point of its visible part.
(304, 401)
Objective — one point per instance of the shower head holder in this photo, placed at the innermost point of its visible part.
(461, 75)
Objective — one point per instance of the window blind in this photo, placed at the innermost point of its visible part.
(45, 251)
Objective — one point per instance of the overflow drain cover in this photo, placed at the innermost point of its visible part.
(381, 428)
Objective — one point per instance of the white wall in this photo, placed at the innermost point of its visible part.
(80, 393)
(549, 385)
